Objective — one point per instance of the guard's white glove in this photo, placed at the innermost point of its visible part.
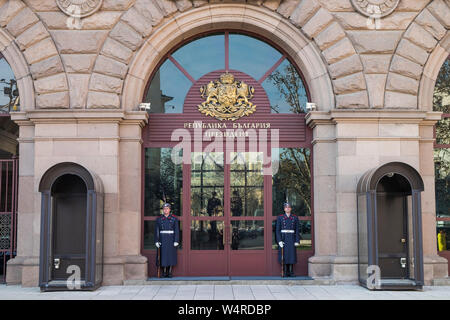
(158, 244)
(281, 244)
(175, 244)
(296, 244)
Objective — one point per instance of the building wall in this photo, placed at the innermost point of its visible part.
(81, 81)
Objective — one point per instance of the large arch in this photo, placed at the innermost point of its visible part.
(33, 56)
(431, 72)
(305, 29)
(418, 58)
(264, 22)
(20, 68)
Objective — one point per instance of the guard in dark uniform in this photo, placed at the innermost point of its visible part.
(167, 236)
(288, 237)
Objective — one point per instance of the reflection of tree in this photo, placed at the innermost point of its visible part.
(442, 173)
(441, 102)
(291, 88)
(164, 179)
(441, 98)
(294, 175)
(294, 168)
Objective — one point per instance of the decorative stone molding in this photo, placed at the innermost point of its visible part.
(79, 8)
(263, 21)
(20, 68)
(375, 8)
(418, 58)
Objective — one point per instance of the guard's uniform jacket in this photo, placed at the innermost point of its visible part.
(287, 230)
(167, 232)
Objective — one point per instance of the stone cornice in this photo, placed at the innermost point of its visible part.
(335, 116)
(80, 116)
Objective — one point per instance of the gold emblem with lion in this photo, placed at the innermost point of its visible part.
(227, 98)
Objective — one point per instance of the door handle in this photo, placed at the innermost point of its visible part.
(403, 262)
(56, 263)
(224, 237)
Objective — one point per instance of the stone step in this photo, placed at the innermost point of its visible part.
(232, 281)
(441, 282)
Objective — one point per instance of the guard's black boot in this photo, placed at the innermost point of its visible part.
(285, 271)
(169, 272)
(165, 272)
(291, 270)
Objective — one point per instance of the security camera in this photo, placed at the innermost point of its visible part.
(310, 106)
(145, 106)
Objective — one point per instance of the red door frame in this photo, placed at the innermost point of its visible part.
(445, 254)
(270, 255)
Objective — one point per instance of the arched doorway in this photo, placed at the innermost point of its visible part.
(71, 249)
(236, 165)
(390, 227)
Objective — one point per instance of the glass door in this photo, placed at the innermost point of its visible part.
(246, 219)
(208, 252)
(227, 214)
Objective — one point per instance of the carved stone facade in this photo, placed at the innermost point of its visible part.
(81, 84)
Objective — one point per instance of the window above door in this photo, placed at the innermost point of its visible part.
(226, 51)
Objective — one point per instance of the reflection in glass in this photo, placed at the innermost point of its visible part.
(443, 235)
(286, 90)
(149, 235)
(10, 97)
(247, 184)
(168, 89)
(251, 56)
(305, 235)
(247, 235)
(163, 182)
(207, 235)
(442, 181)
(207, 183)
(202, 56)
(443, 131)
(441, 97)
(291, 180)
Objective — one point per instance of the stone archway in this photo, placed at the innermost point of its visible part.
(418, 58)
(431, 71)
(20, 68)
(264, 22)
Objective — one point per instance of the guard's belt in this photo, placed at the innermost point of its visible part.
(287, 231)
(166, 231)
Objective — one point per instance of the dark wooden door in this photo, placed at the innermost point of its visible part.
(392, 236)
(69, 234)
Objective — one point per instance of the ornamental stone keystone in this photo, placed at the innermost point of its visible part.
(79, 8)
(375, 8)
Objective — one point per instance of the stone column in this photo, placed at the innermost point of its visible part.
(24, 268)
(435, 266)
(324, 164)
(347, 143)
(123, 260)
(107, 143)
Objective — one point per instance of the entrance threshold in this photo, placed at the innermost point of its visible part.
(227, 278)
(249, 280)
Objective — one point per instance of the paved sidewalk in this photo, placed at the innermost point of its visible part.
(227, 292)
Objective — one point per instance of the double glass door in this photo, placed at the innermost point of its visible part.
(226, 216)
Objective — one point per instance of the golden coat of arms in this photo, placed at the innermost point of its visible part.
(227, 98)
